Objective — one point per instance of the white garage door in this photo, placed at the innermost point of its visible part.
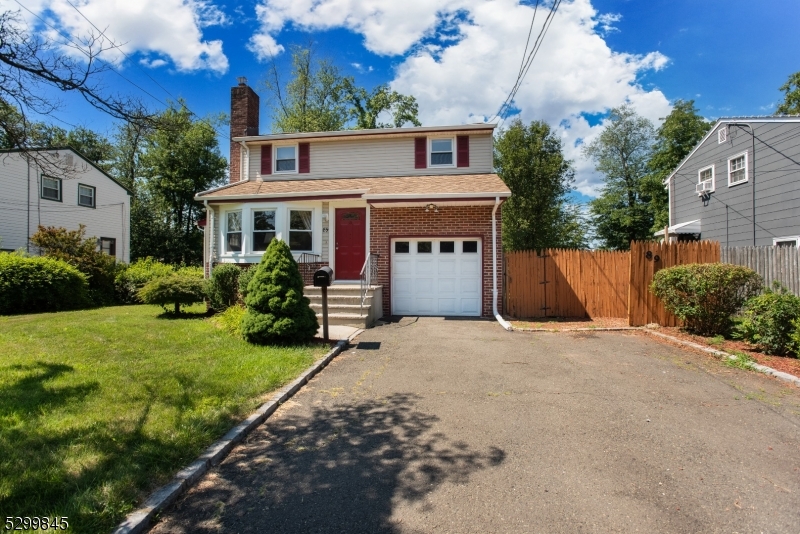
(436, 276)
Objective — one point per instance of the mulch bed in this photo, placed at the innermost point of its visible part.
(570, 323)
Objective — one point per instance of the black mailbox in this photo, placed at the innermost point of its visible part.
(323, 277)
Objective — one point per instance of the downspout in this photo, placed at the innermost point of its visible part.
(208, 237)
(505, 324)
(28, 207)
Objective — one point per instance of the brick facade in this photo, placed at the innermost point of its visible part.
(244, 121)
(457, 221)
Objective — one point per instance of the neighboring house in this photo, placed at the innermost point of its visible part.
(66, 190)
(740, 185)
(417, 206)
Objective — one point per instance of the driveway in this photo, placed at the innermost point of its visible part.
(437, 425)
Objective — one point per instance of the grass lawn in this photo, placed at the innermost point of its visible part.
(99, 407)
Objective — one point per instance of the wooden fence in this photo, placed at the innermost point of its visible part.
(772, 263)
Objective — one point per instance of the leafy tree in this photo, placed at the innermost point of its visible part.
(368, 106)
(96, 147)
(622, 212)
(531, 162)
(791, 96)
(277, 311)
(682, 129)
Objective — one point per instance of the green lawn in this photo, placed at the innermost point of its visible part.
(99, 407)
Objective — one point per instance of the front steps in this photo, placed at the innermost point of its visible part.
(344, 305)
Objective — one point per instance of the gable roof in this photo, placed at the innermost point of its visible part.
(74, 151)
(728, 120)
(486, 128)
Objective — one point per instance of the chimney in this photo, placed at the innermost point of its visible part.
(244, 121)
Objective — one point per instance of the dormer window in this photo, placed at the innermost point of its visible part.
(441, 152)
(286, 159)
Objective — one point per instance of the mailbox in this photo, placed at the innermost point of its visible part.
(323, 277)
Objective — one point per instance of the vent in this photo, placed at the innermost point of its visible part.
(69, 160)
(722, 135)
(704, 187)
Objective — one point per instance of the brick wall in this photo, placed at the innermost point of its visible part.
(244, 121)
(386, 223)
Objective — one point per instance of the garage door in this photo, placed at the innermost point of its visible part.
(436, 276)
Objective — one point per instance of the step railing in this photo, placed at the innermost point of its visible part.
(369, 273)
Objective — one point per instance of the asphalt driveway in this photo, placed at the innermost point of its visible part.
(437, 425)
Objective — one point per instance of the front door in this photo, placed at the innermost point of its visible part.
(351, 242)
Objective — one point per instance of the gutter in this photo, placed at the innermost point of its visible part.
(505, 324)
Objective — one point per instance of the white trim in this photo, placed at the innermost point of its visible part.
(713, 177)
(452, 152)
(722, 135)
(312, 230)
(344, 204)
(252, 227)
(794, 238)
(411, 196)
(242, 231)
(275, 148)
(746, 169)
(333, 193)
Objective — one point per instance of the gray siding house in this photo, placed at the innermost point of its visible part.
(740, 185)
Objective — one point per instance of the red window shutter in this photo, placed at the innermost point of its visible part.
(266, 159)
(420, 152)
(304, 157)
(462, 145)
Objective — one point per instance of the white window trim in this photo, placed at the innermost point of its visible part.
(296, 158)
(746, 169)
(243, 231)
(430, 152)
(713, 176)
(94, 196)
(289, 230)
(252, 228)
(794, 238)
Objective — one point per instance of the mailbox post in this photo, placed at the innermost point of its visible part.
(322, 279)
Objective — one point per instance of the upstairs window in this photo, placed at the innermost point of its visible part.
(286, 159)
(233, 231)
(300, 238)
(737, 169)
(263, 229)
(51, 188)
(86, 194)
(441, 153)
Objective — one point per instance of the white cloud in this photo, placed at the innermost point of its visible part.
(606, 22)
(465, 73)
(167, 28)
(361, 68)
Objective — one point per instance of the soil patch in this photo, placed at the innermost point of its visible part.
(558, 324)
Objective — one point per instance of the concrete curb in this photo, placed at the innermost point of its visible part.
(138, 520)
(606, 329)
(722, 354)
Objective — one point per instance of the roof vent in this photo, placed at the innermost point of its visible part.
(69, 160)
(722, 135)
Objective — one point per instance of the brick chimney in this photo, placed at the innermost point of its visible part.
(244, 121)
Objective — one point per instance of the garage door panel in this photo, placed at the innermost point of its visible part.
(447, 267)
(402, 305)
(470, 267)
(470, 286)
(447, 286)
(425, 286)
(403, 285)
(424, 266)
(470, 306)
(402, 266)
(426, 306)
(448, 306)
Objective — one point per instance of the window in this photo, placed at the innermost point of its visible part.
(705, 178)
(51, 188)
(86, 195)
(286, 159)
(441, 152)
(737, 169)
(792, 241)
(263, 229)
(233, 231)
(401, 247)
(300, 237)
(447, 247)
(470, 247)
(108, 245)
(424, 247)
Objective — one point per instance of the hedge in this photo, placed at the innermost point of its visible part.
(38, 284)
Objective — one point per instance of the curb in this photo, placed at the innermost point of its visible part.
(722, 354)
(138, 520)
(606, 329)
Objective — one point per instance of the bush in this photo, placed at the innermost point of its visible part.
(244, 280)
(38, 284)
(705, 295)
(130, 279)
(231, 320)
(223, 287)
(769, 320)
(277, 311)
(175, 289)
(189, 270)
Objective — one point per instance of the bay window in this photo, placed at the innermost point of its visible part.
(300, 233)
(263, 229)
(233, 231)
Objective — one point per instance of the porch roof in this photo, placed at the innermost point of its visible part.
(461, 186)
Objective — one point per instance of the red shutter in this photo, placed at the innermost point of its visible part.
(304, 157)
(420, 152)
(266, 159)
(462, 144)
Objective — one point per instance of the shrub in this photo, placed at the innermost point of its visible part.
(190, 270)
(130, 279)
(175, 289)
(223, 287)
(38, 284)
(231, 319)
(769, 320)
(244, 279)
(277, 311)
(705, 295)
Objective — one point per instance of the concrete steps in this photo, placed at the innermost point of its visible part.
(344, 305)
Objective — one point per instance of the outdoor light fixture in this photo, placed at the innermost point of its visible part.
(430, 207)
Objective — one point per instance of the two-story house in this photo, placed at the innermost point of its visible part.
(419, 207)
(60, 187)
(740, 185)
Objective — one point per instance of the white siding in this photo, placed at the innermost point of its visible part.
(110, 218)
(365, 158)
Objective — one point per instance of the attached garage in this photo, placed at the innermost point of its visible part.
(436, 276)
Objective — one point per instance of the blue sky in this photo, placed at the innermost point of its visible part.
(458, 57)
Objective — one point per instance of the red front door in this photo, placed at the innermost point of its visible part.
(351, 242)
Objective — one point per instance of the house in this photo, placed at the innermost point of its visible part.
(60, 187)
(412, 211)
(740, 185)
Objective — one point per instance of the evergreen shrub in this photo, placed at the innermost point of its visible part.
(223, 287)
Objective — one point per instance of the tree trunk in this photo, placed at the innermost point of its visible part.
(177, 308)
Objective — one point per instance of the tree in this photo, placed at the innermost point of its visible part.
(622, 151)
(682, 129)
(368, 106)
(531, 162)
(277, 311)
(791, 96)
(95, 147)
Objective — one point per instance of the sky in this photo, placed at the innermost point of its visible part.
(459, 58)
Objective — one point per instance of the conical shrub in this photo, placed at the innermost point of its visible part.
(277, 311)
